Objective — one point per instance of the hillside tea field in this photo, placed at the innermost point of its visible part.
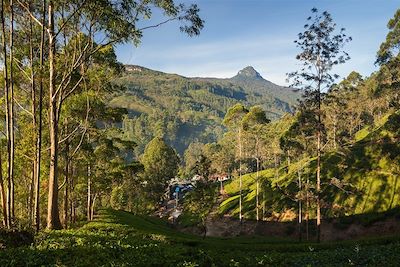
(117, 238)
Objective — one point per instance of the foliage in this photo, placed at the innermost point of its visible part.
(119, 198)
(160, 163)
(198, 204)
(188, 110)
(120, 239)
(362, 177)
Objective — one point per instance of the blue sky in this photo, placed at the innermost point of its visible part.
(259, 33)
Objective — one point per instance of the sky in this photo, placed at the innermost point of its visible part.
(258, 33)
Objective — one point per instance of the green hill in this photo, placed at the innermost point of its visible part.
(185, 110)
(359, 178)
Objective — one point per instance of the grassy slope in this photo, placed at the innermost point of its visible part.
(371, 168)
(118, 238)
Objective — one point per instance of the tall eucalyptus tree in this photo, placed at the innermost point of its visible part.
(321, 49)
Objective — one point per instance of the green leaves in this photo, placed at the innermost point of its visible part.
(235, 115)
(254, 118)
(119, 238)
(160, 163)
(389, 49)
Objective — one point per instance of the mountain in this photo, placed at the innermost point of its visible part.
(185, 110)
(248, 73)
(275, 99)
(252, 81)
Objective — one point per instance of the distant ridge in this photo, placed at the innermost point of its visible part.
(186, 110)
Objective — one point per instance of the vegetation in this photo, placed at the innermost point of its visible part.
(58, 63)
(356, 168)
(120, 238)
(187, 110)
(98, 145)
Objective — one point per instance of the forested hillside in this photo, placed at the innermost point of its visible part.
(361, 177)
(186, 110)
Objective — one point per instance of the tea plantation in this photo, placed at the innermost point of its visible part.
(117, 238)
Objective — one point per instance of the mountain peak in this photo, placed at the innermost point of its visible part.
(249, 72)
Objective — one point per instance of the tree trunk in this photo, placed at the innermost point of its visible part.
(319, 132)
(34, 122)
(318, 187)
(30, 199)
(307, 209)
(53, 216)
(66, 186)
(12, 136)
(2, 193)
(72, 195)
(7, 104)
(300, 209)
(39, 126)
(257, 189)
(240, 175)
(334, 132)
(89, 193)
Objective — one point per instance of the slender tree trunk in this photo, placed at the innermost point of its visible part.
(72, 195)
(307, 209)
(7, 104)
(66, 186)
(89, 193)
(319, 187)
(240, 175)
(34, 122)
(2, 192)
(39, 126)
(257, 189)
(30, 198)
(319, 132)
(334, 132)
(300, 209)
(12, 135)
(53, 216)
(257, 180)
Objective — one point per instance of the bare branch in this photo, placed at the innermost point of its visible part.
(24, 109)
(159, 24)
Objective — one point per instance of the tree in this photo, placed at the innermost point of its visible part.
(321, 49)
(233, 120)
(389, 49)
(343, 114)
(191, 156)
(254, 122)
(202, 167)
(39, 113)
(388, 57)
(161, 164)
(7, 105)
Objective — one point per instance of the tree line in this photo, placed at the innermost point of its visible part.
(58, 61)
